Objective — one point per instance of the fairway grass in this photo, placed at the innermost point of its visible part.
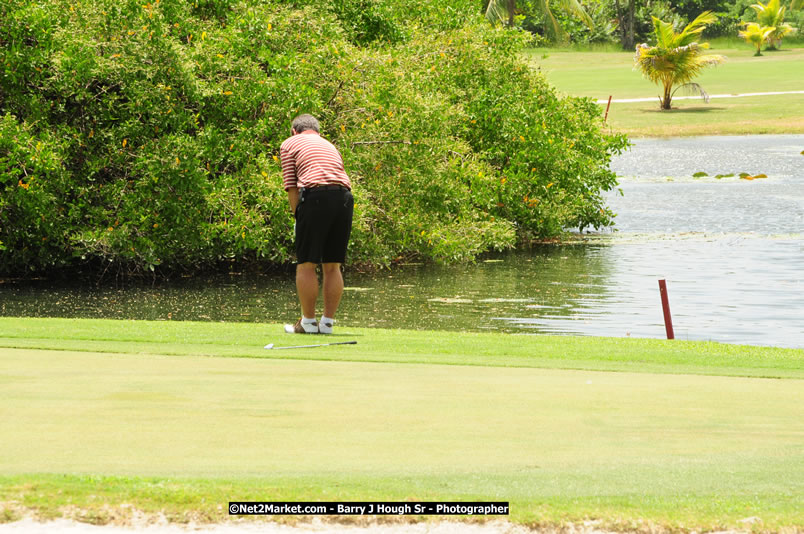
(752, 115)
(103, 417)
(246, 340)
(602, 74)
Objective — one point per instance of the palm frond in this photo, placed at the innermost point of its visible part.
(770, 14)
(497, 12)
(554, 29)
(693, 89)
(693, 30)
(754, 33)
(784, 29)
(574, 7)
(663, 31)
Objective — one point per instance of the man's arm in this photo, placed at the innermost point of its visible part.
(289, 179)
(293, 198)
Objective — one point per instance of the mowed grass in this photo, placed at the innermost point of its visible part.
(778, 114)
(598, 75)
(180, 418)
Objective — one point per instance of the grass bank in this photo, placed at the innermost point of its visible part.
(180, 418)
(599, 74)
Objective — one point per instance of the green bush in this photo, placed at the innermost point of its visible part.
(145, 135)
(367, 21)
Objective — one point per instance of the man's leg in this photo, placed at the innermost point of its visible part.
(333, 288)
(307, 288)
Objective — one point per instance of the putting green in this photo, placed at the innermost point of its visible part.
(434, 416)
(216, 417)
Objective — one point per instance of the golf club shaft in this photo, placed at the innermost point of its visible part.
(318, 345)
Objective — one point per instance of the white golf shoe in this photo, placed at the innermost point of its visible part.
(325, 326)
(304, 328)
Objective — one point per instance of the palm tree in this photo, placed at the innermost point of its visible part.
(676, 58)
(504, 11)
(756, 34)
(501, 11)
(772, 15)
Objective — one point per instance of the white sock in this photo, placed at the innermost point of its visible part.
(305, 320)
(327, 320)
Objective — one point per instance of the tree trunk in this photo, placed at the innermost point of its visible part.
(511, 11)
(620, 21)
(626, 15)
(667, 97)
(631, 23)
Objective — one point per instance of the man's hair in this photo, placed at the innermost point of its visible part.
(306, 122)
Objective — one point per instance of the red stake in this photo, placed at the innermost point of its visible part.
(607, 110)
(668, 321)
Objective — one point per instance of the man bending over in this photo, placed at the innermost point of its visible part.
(320, 197)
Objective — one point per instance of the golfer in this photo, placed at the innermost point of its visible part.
(320, 198)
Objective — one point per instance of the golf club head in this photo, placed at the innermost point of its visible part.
(269, 346)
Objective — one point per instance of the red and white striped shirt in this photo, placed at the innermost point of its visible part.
(309, 160)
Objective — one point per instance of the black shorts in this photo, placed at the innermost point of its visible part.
(324, 224)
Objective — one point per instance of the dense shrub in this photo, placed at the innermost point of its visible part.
(146, 134)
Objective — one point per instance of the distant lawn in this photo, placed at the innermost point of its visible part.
(100, 416)
(780, 114)
(598, 74)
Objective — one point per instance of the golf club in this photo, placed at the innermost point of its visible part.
(271, 345)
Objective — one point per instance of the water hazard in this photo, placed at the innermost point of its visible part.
(731, 250)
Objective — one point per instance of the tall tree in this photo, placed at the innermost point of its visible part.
(676, 58)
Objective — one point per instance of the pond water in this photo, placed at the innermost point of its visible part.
(731, 250)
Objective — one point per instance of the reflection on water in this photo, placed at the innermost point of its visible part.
(414, 296)
(778, 156)
(660, 194)
(731, 250)
(737, 289)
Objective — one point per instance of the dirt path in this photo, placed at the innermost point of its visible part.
(64, 526)
(149, 524)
